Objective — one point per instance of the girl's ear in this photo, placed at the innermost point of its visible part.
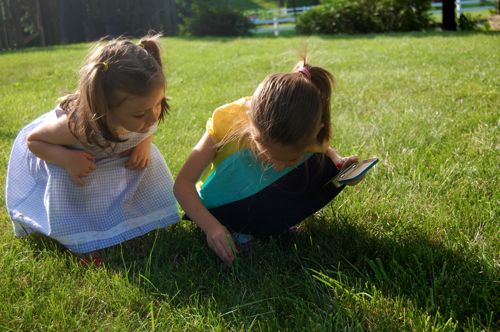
(321, 126)
(319, 132)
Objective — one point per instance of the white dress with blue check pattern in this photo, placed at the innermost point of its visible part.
(114, 205)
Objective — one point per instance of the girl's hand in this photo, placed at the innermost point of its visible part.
(221, 242)
(79, 164)
(218, 237)
(339, 161)
(140, 156)
(343, 162)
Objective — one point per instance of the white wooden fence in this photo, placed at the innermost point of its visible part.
(283, 19)
(476, 5)
(282, 16)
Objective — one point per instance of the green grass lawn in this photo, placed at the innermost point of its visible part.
(480, 15)
(252, 4)
(414, 247)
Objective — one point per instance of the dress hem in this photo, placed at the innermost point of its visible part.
(24, 230)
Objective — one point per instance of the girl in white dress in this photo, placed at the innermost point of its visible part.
(86, 173)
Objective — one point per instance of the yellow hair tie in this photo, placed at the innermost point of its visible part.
(105, 66)
(140, 45)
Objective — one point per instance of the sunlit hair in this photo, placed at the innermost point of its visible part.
(291, 109)
(111, 69)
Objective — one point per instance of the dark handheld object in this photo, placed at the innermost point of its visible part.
(351, 173)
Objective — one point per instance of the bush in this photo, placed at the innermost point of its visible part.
(470, 22)
(216, 22)
(364, 16)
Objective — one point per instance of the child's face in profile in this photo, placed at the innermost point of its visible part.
(136, 113)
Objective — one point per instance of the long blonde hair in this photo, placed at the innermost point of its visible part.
(112, 66)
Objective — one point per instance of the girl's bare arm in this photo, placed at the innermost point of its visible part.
(218, 237)
(47, 142)
(140, 156)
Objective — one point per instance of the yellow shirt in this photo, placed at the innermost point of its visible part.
(229, 115)
(235, 173)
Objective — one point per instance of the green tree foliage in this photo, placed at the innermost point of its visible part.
(365, 16)
(19, 22)
(211, 18)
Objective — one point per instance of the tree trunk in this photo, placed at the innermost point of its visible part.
(39, 22)
(449, 21)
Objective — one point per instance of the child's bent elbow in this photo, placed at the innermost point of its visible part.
(30, 141)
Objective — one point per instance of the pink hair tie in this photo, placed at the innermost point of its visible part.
(304, 71)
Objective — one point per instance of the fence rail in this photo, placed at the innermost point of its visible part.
(285, 16)
(462, 6)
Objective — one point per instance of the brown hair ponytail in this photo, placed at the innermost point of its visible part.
(150, 44)
(294, 108)
(324, 81)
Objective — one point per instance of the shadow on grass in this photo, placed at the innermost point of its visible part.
(270, 35)
(345, 36)
(435, 278)
(411, 34)
(282, 278)
(47, 49)
(281, 273)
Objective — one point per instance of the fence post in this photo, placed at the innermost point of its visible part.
(458, 6)
(275, 26)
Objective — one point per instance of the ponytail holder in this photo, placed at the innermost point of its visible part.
(105, 66)
(141, 45)
(304, 71)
